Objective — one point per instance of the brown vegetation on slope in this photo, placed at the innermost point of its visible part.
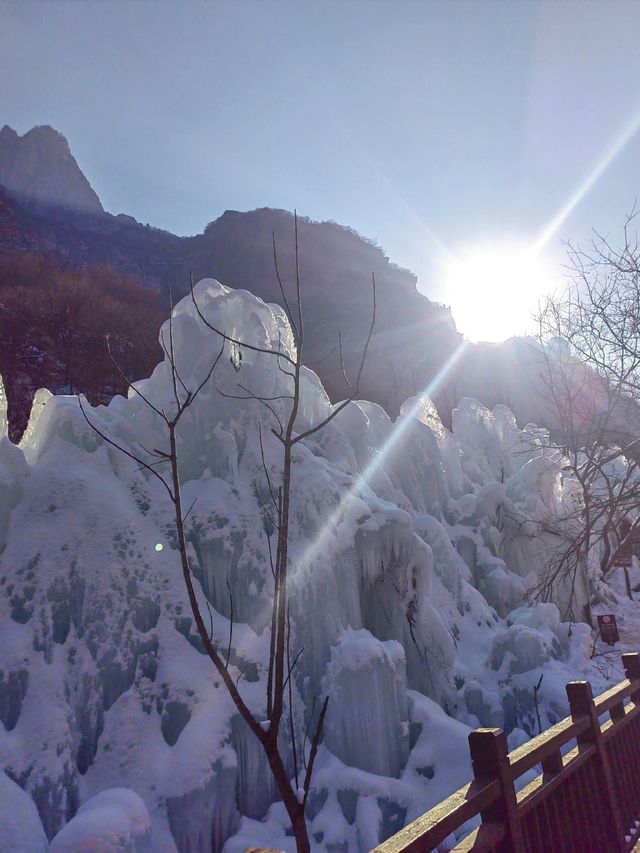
(54, 324)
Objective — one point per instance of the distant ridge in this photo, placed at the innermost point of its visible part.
(48, 207)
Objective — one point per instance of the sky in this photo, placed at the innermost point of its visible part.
(443, 131)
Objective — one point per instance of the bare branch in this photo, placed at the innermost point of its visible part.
(314, 750)
(265, 403)
(146, 466)
(130, 384)
(356, 388)
(236, 341)
(193, 503)
(230, 624)
(287, 307)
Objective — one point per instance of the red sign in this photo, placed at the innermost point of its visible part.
(608, 629)
(623, 556)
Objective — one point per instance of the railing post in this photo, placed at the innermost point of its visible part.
(631, 663)
(490, 760)
(629, 747)
(581, 704)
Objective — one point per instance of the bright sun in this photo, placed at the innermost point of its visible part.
(492, 293)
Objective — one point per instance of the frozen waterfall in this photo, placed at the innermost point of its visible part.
(408, 598)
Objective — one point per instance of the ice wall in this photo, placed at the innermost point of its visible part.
(362, 666)
(404, 579)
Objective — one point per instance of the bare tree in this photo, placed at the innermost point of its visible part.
(589, 355)
(281, 665)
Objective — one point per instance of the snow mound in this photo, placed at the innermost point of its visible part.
(20, 827)
(114, 821)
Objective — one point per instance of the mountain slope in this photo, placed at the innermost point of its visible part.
(413, 336)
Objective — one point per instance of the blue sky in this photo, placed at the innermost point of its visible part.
(430, 127)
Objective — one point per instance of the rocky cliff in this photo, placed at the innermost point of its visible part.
(40, 171)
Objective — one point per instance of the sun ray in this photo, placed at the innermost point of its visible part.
(361, 482)
(616, 147)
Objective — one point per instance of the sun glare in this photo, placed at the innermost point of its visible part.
(493, 292)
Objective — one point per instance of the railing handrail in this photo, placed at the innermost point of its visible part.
(539, 747)
(444, 818)
(496, 771)
(605, 701)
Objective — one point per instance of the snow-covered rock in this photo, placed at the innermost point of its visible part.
(20, 827)
(113, 821)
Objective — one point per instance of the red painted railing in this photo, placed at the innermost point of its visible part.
(587, 798)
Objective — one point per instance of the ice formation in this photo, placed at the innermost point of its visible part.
(109, 822)
(20, 827)
(408, 592)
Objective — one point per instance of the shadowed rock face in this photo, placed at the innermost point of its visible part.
(39, 169)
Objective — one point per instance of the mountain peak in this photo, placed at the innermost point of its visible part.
(8, 133)
(40, 171)
(46, 135)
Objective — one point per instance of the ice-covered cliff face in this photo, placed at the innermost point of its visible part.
(401, 599)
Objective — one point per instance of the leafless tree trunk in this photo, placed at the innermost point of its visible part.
(279, 696)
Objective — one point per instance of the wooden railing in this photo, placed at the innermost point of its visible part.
(587, 798)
